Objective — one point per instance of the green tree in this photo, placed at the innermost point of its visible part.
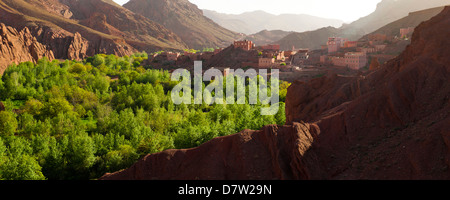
(79, 155)
(2, 150)
(33, 107)
(122, 158)
(54, 106)
(22, 167)
(8, 123)
(98, 60)
(77, 68)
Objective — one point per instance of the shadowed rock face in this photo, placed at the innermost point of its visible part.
(392, 123)
(272, 153)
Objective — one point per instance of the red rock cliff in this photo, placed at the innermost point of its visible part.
(19, 46)
(393, 123)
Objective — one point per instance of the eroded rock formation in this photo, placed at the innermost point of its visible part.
(20, 46)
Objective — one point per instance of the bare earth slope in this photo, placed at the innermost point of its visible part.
(390, 124)
(186, 20)
(412, 20)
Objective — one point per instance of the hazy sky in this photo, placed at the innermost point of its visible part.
(347, 10)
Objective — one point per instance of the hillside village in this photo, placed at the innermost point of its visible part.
(338, 55)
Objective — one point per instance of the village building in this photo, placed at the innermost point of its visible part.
(170, 56)
(288, 54)
(350, 44)
(334, 44)
(338, 61)
(272, 47)
(277, 55)
(404, 32)
(300, 57)
(324, 59)
(246, 45)
(355, 60)
(265, 62)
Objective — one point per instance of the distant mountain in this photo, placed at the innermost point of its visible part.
(308, 39)
(387, 12)
(412, 20)
(254, 22)
(186, 20)
(77, 29)
(267, 37)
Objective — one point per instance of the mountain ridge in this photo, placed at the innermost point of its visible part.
(186, 20)
(256, 21)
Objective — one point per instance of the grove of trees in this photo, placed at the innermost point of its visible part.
(69, 120)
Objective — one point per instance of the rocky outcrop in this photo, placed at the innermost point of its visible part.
(64, 44)
(78, 29)
(20, 46)
(112, 19)
(392, 123)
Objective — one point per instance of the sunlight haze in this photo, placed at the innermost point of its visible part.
(346, 10)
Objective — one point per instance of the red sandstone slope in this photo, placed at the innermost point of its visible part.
(186, 20)
(77, 29)
(393, 123)
(272, 153)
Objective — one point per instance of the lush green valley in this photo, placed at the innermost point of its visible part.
(66, 120)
